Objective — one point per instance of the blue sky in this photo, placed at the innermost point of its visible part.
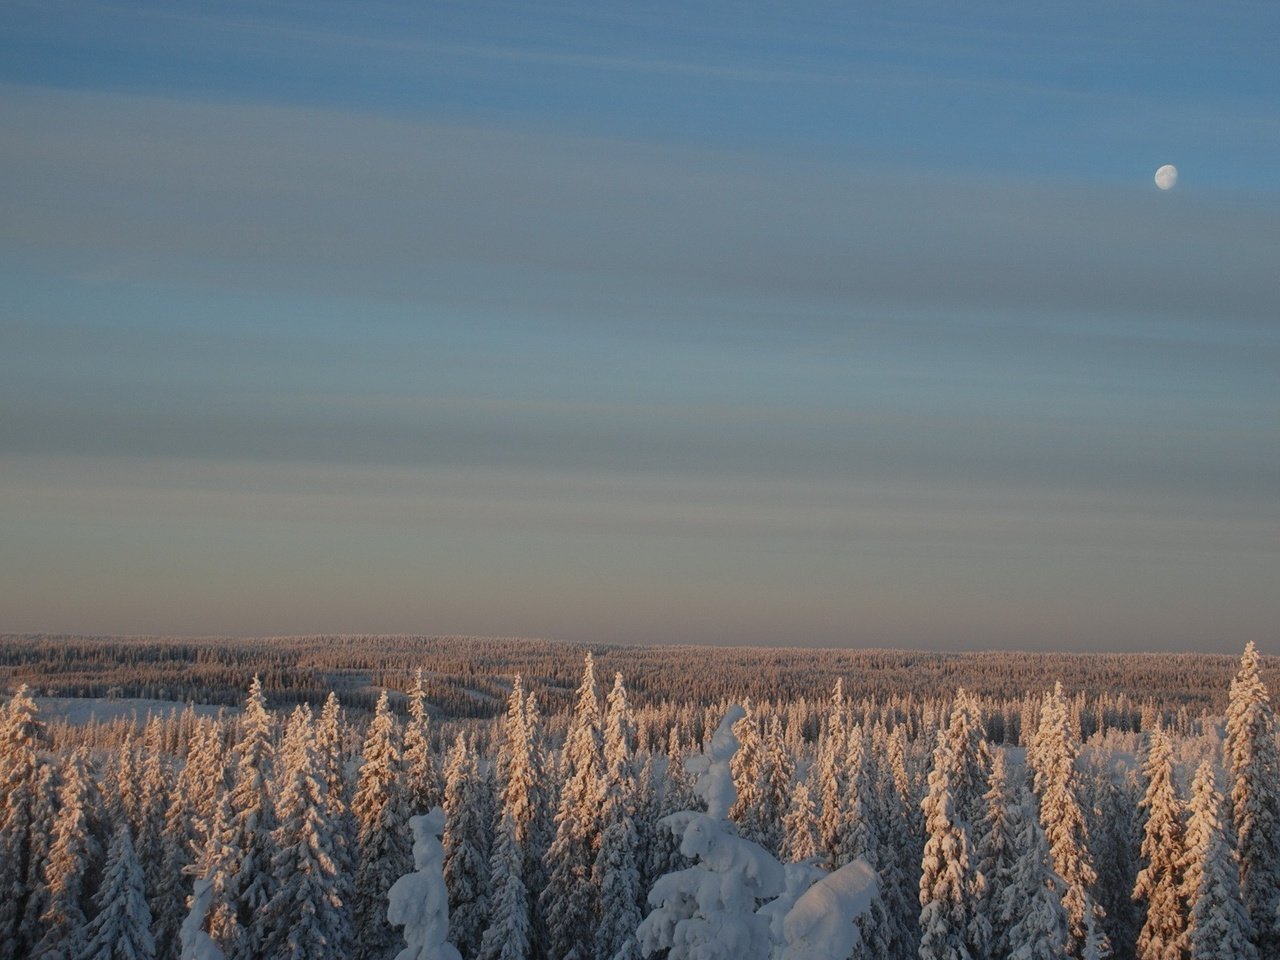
(834, 324)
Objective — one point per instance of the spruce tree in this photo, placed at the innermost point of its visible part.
(800, 825)
(748, 778)
(508, 935)
(568, 901)
(466, 849)
(422, 790)
(122, 928)
(20, 735)
(72, 852)
(382, 840)
(614, 872)
(1219, 927)
(998, 853)
(1159, 883)
(1032, 904)
(1255, 798)
(305, 918)
(1057, 785)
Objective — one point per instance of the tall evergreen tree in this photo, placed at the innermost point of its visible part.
(305, 918)
(747, 767)
(122, 928)
(1219, 926)
(1255, 797)
(800, 825)
(1053, 756)
(998, 853)
(20, 734)
(382, 849)
(1159, 883)
(422, 791)
(778, 770)
(1032, 904)
(73, 850)
(569, 900)
(508, 935)
(466, 849)
(615, 873)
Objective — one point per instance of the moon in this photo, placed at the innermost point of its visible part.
(1167, 176)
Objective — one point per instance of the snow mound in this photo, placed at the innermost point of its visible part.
(821, 925)
(419, 901)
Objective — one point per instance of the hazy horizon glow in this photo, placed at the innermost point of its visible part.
(622, 324)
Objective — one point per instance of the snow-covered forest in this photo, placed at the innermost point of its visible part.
(698, 804)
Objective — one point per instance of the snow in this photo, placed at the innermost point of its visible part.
(419, 901)
(196, 944)
(821, 925)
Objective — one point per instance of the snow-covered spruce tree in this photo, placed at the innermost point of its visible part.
(122, 928)
(951, 889)
(1111, 801)
(748, 778)
(832, 781)
(1031, 905)
(71, 854)
(20, 734)
(800, 825)
(998, 853)
(971, 759)
(210, 924)
(777, 772)
(1255, 798)
(466, 848)
(614, 872)
(648, 811)
(44, 815)
(330, 734)
(305, 918)
(1159, 883)
(422, 789)
(508, 935)
(154, 790)
(896, 863)
(1219, 926)
(882, 933)
(1056, 784)
(382, 834)
(568, 901)
(418, 901)
(250, 881)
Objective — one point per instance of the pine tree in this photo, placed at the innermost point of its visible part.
(1159, 883)
(1219, 926)
(1255, 798)
(568, 901)
(1056, 783)
(382, 854)
(508, 935)
(466, 849)
(122, 928)
(305, 918)
(614, 872)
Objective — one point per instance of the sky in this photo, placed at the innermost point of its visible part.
(838, 324)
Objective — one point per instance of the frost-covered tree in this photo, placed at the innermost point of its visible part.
(998, 853)
(832, 781)
(800, 825)
(305, 918)
(1115, 837)
(1159, 882)
(422, 790)
(122, 928)
(615, 873)
(951, 889)
(251, 883)
(1255, 797)
(508, 935)
(154, 789)
(778, 770)
(20, 735)
(382, 824)
(1219, 926)
(748, 778)
(210, 925)
(73, 851)
(569, 899)
(466, 848)
(1053, 757)
(1032, 904)
(418, 901)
